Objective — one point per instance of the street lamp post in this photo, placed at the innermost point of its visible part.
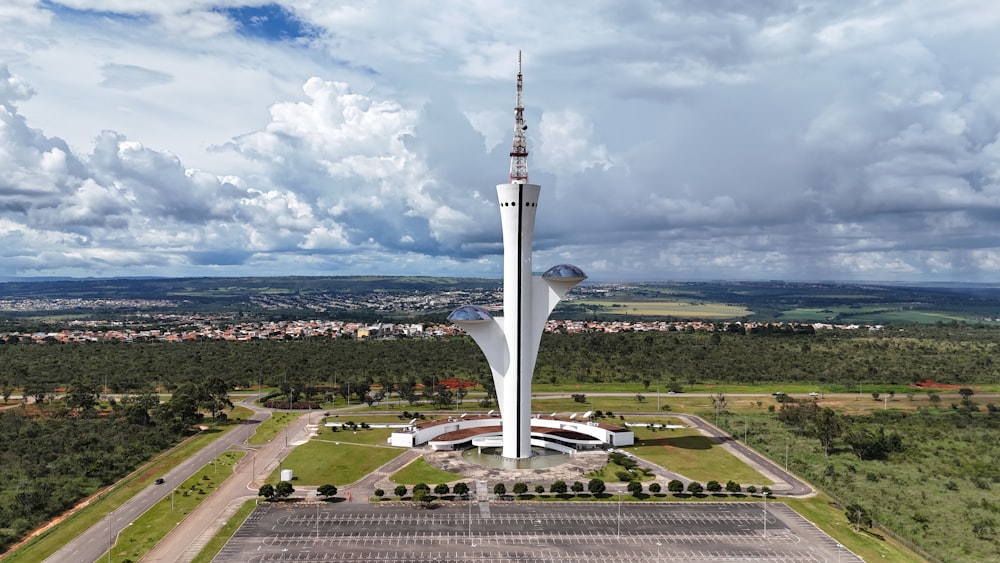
(619, 513)
(765, 514)
(470, 525)
(786, 454)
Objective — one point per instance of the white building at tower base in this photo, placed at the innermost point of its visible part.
(563, 434)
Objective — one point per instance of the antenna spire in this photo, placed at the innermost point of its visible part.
(519, 150)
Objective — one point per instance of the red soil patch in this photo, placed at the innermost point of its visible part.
(931, 384)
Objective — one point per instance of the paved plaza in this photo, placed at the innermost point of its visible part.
(582, 532)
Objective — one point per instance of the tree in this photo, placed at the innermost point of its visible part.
(876, 395)
(639, 397)
(421, 496)
(576, 487)
(327, 491)
(283, 489)
(858, 516)
(520, 488)
(869, 445)
(559, 487)
(379, 493)
(765, 490)
(442, 489)
(461, 489)
(675, 486)
(935, 399)
(966, 393)
(733, 486)
(216, 392)
(399, 491)
(82, 395)
(635, 487)
(539, 489)
(654, 487)
(713, 486)
(266, 490)
(695, 488)
(596, 486)
(752, 489)
(499, 489)
(827, 426)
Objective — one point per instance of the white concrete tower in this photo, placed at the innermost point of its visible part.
(510, 343)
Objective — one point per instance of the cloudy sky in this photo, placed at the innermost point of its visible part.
(674, 140)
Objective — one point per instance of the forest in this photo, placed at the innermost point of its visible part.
(836, 359)
(48, 462)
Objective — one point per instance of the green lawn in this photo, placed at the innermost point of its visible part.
(370, 436)
(687, 452)
(422, 472)
(270, 428)
(321, 462)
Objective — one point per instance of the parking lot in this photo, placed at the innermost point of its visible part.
(524, 532)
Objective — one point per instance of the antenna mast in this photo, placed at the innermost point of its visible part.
(519, 151)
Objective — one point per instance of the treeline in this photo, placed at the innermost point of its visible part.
(959, 355)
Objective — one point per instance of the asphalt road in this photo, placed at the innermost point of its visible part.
(93, 543)
(185, 541)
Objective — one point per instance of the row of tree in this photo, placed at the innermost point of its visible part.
(369, 370)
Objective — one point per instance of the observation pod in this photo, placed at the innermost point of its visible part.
(564, 272)
(469, 314)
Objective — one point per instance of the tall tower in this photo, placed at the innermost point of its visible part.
(510, 343)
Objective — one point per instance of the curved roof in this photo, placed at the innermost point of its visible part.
(564, 272)
(469, 314)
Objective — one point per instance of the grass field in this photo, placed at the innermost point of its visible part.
(873, 314)
(682, 309)
(422, 472)
(321, 462)
(687, 452)
(267, 430)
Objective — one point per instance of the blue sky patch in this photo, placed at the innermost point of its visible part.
(270, 22)
(73, 14)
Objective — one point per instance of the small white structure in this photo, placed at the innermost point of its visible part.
(286, 475)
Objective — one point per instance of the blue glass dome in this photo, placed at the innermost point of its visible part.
(469, 314)
(566, 272)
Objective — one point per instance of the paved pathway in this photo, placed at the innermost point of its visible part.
(185, 541)
(91, 544)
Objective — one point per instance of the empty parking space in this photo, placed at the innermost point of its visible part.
(581, 532)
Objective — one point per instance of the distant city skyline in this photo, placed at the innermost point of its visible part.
(850, 141)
